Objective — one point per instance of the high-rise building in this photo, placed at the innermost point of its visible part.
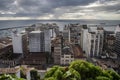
(109, 42)
(47, 37)
(117, 41)
(57, 53)
(93, 42)
(39, 41)
(57, 44)
(84, 32)
(72, 34)
(75, 33)
(19, 41)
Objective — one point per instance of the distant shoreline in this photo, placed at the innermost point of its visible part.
(17, 23)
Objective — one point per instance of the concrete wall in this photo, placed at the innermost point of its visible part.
(17, 43)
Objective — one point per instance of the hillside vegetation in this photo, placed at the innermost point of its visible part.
(80, 70)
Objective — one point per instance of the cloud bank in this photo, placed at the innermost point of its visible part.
(59, 9)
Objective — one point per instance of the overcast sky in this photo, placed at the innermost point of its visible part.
(60, 9)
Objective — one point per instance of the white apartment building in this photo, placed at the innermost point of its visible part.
(18, 42)
(84, 33)
(93, 41)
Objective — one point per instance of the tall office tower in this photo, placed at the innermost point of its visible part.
(19, 41)
(39, 41)
(117, 41)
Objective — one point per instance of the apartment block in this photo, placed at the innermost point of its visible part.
(57, 44)
(57, 54)
(93, 41)
(109, 43)
(84, 31)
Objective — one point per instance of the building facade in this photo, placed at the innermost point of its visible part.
(57, 44)
(57, 54)
(117, 41)
(84, 31)
(67, 56)
(39, 41)
(19, 42)
(93, 42)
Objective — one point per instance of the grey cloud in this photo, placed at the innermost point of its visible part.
(59, 3)
(36, 8)
(107, 8)
(40, 7)
(5, 4)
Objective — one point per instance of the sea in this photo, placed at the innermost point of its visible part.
(4, 24)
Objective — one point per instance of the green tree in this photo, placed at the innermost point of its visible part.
(9, 77)
(71, 74)
(34, 75)
(50, 78)
(114, 75)
(81, 70)
(86, 69)
(55, 72)
(102, 78)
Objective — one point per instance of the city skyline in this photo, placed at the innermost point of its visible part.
(59, 9)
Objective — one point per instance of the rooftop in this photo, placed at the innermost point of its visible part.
(8, 70)
(78, 53)
(67, 50)
(100, 28)
(36, 32)
(5, 40)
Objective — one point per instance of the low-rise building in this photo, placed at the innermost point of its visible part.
(15, 71)
(5, 45)
(67, 56)
(35, 59)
